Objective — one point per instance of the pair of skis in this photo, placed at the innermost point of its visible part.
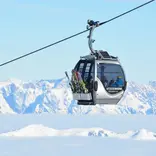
(77, 84)
(71, 85)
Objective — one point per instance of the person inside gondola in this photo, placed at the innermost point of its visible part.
(111, 82)
(118, 83)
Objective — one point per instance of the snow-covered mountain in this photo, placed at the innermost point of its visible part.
(54, 96)
(41, 131)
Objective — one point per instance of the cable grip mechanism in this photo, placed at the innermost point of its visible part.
(91, 26)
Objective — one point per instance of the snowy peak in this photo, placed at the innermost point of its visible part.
(152, 83)
(144, 134)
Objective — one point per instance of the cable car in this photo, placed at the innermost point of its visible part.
(97, 78)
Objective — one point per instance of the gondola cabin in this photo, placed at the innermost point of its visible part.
(102, 80)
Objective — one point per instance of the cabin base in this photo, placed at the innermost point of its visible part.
(82, 96)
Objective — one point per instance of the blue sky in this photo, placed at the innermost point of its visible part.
(28, 25)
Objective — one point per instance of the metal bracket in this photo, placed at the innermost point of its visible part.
(91, 25)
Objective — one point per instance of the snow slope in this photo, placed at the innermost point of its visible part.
(54, 96)
(4, 106)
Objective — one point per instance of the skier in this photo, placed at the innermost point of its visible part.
(118, 82)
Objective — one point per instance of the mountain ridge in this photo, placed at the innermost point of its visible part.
(54, 96)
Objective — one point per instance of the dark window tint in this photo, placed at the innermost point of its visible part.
(87, 70)
(81, 67)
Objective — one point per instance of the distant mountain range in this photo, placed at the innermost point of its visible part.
(54, 96)
(41, 131)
